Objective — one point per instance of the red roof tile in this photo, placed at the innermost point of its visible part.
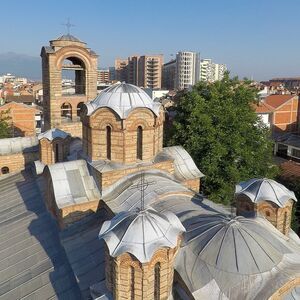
(262, 108)
(277, 100)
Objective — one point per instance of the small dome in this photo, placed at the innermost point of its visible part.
(236, 245)
(141, 233)
(265, 190)
(53, 133)
(68, 37)
(122, 98)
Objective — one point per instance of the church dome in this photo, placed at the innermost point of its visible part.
(265, 190)
(122, 98)
(141, 233)
(237, 245)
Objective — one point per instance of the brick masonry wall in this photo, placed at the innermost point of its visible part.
(277, 216)
(119, 272)
(22, 118)
(17, 162)
(123, 135)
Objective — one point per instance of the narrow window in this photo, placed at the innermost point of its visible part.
(108, 142)
(284, 223)
(157, 281)
(139, 143)
(132, 283)
(56, 153)
(4, 170)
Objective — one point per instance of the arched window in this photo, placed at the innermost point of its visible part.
(139, 143)
(157, 281)
(56, 154)
(131, 282)
(285, 222)
(73, 73)
(66, 112)
(267, 212)
(79, 106)
(108, 142)
(4, 170)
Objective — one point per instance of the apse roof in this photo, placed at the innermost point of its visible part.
(122, 98)
(265, 190)
(141, 233)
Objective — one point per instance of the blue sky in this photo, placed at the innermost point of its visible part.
(256, 38)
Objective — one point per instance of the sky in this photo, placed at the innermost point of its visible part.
(255, 38)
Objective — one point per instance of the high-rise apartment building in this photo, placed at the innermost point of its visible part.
(168, 75)
(144, 71)
(121, 69)
(187, 69)
(102, 76)
(211, 72)
(150, 71)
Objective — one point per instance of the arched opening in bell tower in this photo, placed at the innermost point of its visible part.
(73, 75)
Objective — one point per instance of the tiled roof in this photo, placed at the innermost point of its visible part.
(262, 108)
(277, 100)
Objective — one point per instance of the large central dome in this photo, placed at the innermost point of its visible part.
(122, 98)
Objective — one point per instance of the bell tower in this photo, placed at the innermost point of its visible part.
(69, 71)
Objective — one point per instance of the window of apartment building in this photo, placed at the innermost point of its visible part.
(296, 152)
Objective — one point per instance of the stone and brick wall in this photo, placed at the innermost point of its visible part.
(126, 275)
(123, 135)
(48, 150)
(16, 162)
(52, 65)
(279, 217)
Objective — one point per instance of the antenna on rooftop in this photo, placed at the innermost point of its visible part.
(142, 186)
(68, 25)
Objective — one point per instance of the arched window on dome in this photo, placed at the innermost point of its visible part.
(131, 282)
(284, 222)
(139, 143)
(66, 112)
(157, 281)
(108, 142)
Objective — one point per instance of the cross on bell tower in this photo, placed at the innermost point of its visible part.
(68, 25)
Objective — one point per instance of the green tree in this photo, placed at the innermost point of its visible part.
(5, 127)
(217, 125)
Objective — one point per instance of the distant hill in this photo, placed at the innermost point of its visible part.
(21, 65)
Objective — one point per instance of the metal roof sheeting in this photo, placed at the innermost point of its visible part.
(52, 134)
(72, 183)
(141, 233)
(185, 168)
(265, 190)
(122, 98)
(18, 145)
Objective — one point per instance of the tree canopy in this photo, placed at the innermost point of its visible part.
(5, 127)
(217, 125)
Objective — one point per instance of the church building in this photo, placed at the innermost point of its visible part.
(107, 212)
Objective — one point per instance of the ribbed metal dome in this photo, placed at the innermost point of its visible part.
(236, 245)
(265, 190)
(122, 98)
(141, 233)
